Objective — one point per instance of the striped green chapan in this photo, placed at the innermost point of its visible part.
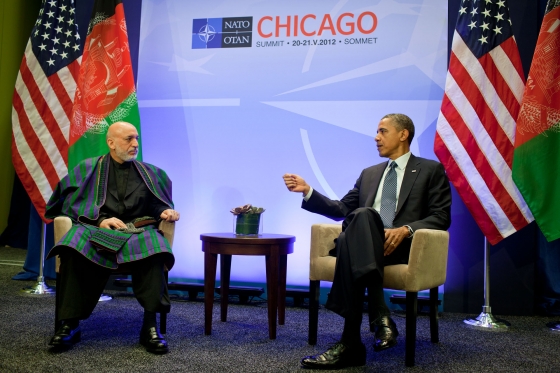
(80, 196)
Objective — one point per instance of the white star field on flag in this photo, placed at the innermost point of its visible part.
(483, 24)
(55, 38)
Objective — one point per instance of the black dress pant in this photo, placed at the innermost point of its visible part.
(82, 282)
(359, 265)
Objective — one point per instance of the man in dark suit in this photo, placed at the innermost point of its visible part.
(388, 203)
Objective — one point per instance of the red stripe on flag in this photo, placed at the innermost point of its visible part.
(479, 159)
(510, 49)
(61, 94)
(27, 181)
(34, 143)
(74, 69)
(500, 85)
(43, 108)
(465, 192)
(483, 111)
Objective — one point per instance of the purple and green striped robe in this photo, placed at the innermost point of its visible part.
(80, 196)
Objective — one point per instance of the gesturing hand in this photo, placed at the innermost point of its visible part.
(295, 183)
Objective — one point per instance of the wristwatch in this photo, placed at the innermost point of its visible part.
(410, 231)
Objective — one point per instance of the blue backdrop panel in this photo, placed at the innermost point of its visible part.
(233, 94)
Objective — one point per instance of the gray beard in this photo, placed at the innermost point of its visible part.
(124, 156)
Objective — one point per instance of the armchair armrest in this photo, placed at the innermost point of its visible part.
(427, 263)
(62, 225)
(321, 265)
(322, 239)
(168, 230)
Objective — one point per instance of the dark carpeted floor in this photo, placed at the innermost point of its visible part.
(110, 339)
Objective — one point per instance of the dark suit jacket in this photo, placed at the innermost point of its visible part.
(424, 200)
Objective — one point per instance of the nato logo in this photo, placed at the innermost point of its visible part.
(233, 32)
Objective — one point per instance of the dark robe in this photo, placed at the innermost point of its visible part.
(88, 195)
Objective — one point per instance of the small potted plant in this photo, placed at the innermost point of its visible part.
(247, 219)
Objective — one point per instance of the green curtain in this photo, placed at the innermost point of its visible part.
(16, 21)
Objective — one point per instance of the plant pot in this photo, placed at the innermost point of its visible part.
(247, 224)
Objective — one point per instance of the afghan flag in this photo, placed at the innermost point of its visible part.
(105, 92)
(536, 161)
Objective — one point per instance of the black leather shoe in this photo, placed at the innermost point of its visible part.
(153, 341)
(385, 333)
(65, 336)
(337, 357)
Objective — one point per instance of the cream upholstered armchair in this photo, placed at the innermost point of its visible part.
(62, 225)
(426, 269)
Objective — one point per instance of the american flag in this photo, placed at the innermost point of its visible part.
(42, 101)
(476, 126)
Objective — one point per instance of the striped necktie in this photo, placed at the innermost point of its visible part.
(389, 197)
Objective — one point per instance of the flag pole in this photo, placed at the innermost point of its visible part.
(41, 287)
(485, 320)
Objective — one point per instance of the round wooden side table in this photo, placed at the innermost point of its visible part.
(274, 247)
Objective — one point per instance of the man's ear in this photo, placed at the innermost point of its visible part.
(404, 135)
(111, 143)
